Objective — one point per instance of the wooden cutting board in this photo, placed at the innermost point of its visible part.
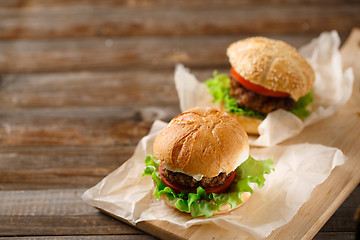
(342, 130)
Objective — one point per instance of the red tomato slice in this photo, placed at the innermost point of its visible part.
(179, 188)
(256, 88)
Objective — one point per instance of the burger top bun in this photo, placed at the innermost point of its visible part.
(202, 141)
(272, 64)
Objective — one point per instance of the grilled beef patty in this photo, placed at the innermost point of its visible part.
(262, 104)
(186, 180)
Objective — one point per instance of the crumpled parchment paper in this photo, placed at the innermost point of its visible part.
(298, 169)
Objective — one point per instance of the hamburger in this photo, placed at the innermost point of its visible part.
(265, 75)
(201, 164)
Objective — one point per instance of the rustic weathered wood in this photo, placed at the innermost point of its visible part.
(122, 53)
(54, 212)
(320, 236)
(127, 21)
(62, 212)
(81, 81)
(58, 167)
(343, 219)
(63, 225)
(47, 203)
(334, 236)
(91, 89)
(197, 4)
(90, 126)
(79, 237)
(57, 157)
(123, 88)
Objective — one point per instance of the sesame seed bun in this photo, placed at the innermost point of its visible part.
(273, 64)
(202, 141)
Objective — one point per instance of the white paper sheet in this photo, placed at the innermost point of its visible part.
(126, 194)
(332, 89)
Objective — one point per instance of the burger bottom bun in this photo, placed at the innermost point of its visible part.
(250, 124)
(223, 208)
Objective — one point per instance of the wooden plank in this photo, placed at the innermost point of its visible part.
(92, 89)
(54, 212)
(62, 212)
(75, 89)
(46, 203)
(115, 22)
(79, 237)
(122, 53)
(80, 127)
(343, 219)
(320, 236)
(62, 225)
(41, 4)
(335, 236)
(58, 167)
(45, 157)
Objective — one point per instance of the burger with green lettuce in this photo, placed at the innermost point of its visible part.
(201, 163)
(265, 75)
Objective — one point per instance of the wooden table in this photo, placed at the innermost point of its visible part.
(82, 81)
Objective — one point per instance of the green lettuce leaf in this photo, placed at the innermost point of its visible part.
(219, 88)
(300, 108)
(201, 204)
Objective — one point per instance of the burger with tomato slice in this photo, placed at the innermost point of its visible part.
(201, 163)
(265, 75)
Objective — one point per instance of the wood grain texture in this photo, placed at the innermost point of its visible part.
(130, 88)
(54, 212)
(52, 202)
(149, 4)
(320, 236)
(115, 22)
(24, 213)
(80, 237)
(343, 219)
(122, 53)
(58, 167)
(80, 127)
(335, 236)
(116, 89)
(81, 81)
